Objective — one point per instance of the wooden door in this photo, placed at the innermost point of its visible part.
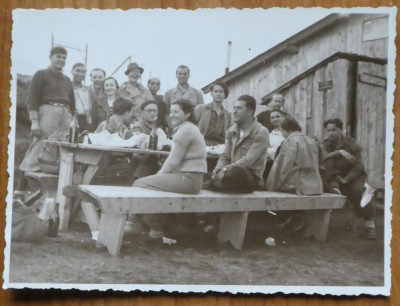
(370, 119)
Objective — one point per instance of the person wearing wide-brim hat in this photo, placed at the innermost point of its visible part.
(51, 104)
(133, 90)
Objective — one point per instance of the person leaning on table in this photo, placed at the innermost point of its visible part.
(51, 102)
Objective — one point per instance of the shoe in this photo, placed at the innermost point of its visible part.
(370, 233)
(155, 234)
(336, 191)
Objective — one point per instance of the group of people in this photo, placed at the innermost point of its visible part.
(268, 152)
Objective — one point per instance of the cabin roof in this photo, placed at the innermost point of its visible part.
(289, 46)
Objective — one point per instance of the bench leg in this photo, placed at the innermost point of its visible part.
(89, 209)
(65, 179)
(233, 228)
(111, 231)
(318, 224)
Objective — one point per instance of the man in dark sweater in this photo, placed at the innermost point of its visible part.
(51, 103)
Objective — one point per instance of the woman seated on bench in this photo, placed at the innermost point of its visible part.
(185, 166)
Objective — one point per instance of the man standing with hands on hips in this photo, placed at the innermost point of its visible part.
(51, 103)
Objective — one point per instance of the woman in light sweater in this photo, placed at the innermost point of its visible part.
(185, 166)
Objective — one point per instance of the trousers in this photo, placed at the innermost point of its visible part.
(51, 118)
(183, 182)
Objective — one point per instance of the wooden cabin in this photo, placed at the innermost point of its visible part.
(336, 68)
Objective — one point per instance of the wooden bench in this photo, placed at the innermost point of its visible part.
(47, 183)
(117, 202)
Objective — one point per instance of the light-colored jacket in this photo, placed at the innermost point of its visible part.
(188, 151)
(202, 113)
(249, 152)
(296, 167)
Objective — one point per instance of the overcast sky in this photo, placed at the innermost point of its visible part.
(159, 40)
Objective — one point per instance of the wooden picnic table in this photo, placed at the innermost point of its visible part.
(92, 156)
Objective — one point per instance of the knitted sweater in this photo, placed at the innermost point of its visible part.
(49, 85)
(188, 151)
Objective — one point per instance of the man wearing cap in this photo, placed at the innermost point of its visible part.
(276, 103)
(97, 95)
(183, 91)
(153, 85)
(148, 165)
(51, 102)
(213, 119)
(82, 96)
(133, 90)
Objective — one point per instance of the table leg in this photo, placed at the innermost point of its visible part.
(65, 179)
(89, 209)
(318, 224)
(233, 228)
(111, 231)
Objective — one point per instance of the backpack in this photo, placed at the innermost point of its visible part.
(49, 155)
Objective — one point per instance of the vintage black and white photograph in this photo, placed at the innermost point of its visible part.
(210, 150)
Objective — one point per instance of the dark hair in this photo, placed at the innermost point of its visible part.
(122, 105)
(148, 82)
(98, 69)
(112, 78)
(223, 85)
(278, 111)
(336, 121)
(187, 108)
(183, 67)
(78, 65)
(250, 102)
(290, 125)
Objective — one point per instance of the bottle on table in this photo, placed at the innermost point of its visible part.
(153, 139)
(74, 130)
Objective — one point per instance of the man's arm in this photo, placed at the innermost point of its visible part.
(257, 149)
(225, 158)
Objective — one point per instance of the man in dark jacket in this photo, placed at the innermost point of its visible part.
(344, 171)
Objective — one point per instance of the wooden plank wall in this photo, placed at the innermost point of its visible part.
(343, 37)
(371, 122)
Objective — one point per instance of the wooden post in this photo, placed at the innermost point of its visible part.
(111, 231)
(65, 179)
(318, 224)
(233, 228)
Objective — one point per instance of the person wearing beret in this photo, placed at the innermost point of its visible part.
(133, 90)
(51, 104)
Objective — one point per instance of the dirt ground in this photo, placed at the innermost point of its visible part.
(344, 259)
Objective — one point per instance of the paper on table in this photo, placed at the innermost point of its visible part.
(105, 138)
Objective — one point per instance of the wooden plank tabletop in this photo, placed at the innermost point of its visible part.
(114, 149)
